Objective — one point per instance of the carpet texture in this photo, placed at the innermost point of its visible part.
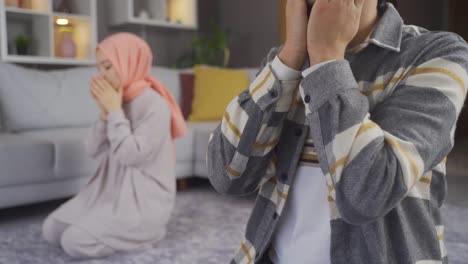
(205, 228)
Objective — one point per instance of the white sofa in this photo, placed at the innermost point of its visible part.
(44, 118)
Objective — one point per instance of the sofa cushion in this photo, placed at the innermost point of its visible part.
(201, 135)
(252, 72)
(200, 169)
(184, 148)
(76, 93)
(71, 159)
(214, 89)
(170, 79)
(33, 99)
(25, 160)
(70, 150)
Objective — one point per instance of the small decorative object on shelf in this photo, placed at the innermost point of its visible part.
(23, 43)
(172, 14)
(68, 45)
(62, 6)
(12, 3)
(50, 32)
(144, 14)
(25, 4)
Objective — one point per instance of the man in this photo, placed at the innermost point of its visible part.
(350, 158)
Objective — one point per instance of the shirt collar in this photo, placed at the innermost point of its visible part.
(388, 32)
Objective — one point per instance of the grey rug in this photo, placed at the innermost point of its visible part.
(206, 228)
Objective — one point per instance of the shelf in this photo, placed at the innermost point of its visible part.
(25, 11)
(152, 22)
(28, 5)
(172, 14)
(76, 7)
(156, 9)
(47, 60)
(72, 16)
(38, 23)
(181, 10)
(35, 26)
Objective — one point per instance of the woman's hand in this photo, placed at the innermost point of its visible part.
(103, 113)
(109, 98)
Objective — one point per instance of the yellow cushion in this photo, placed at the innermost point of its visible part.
(214, 89)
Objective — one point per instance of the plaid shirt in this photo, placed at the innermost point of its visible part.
(382, 122)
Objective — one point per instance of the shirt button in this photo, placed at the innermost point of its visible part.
(307, 99)
(284, 176)
(273, 93)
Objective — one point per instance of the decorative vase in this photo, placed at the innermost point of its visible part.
(68, 46)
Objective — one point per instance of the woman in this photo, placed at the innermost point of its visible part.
(128, 202)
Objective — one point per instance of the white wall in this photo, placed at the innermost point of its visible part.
(431, 14)
(255, 26)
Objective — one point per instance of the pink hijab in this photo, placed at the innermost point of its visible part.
(132, 58)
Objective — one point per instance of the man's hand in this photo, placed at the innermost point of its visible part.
(333, 24)
(294, 51)
(106, 95)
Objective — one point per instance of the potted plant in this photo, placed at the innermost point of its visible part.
(22, 44)
(211, 49)
(67, 45)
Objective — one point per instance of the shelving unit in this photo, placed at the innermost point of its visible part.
(39, 23)
(176, 14)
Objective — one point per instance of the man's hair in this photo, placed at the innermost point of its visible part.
(382, 5)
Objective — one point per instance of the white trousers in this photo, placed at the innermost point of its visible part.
(76, 242)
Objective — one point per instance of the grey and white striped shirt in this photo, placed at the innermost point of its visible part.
(382, 122)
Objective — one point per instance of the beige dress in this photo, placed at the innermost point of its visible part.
(129, 200)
